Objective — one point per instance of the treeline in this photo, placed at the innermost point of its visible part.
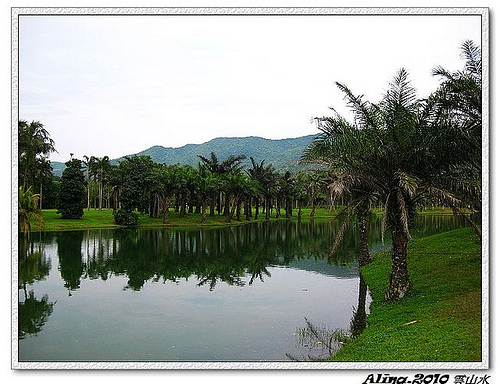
(214, 187)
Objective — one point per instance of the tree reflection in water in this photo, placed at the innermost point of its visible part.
(33, 266)
(232, 255)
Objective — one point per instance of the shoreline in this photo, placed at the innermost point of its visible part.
(95, 219)
(440, 320)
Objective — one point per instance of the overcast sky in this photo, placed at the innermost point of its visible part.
(116, 85)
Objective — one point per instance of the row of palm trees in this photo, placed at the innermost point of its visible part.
(404, 151)
(212, 188)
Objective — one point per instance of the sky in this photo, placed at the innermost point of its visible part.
(116, 85)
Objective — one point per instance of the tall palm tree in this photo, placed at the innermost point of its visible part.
(384, 153)
(34, 144)
(224, 168)
(455, 110)
(266, 179)
(103, 167)
(90, 171)
(164, 183)
(207, 184)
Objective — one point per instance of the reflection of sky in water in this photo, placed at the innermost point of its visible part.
(104, 319)
(183, 321)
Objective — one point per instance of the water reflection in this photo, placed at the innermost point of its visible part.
(322, 342)
(33, 265)
(358, 321)
(232, 256)
(213, 256)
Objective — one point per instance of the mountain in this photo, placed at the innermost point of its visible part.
(283, 154)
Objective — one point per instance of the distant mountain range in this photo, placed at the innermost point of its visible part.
(283, 154)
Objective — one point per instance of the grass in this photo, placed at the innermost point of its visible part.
(443, 307)
(94, 218)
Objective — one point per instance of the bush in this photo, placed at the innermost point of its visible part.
(125, 217)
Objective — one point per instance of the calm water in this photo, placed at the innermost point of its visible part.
(234, 294)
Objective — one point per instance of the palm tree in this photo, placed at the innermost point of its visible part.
(207, 184)
(164, 183)
(455, 110)
(224, 168)
(384, 153)
(34, 146)
(236, 185)
(27, 209)
(90, 165)
(43, 173)
(266, 179)
(102, 168)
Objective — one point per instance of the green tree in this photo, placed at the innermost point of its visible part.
(164, 184)
(28, 209)
(90, 166)
(134, 175)
(266, 181)
(34, 146)
(102, 170)
(230, 165)
(456, 120)
(71, 200)
(207, 185)
(385, 153)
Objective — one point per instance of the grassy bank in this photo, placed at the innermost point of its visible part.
(93, 219)
(440, 320)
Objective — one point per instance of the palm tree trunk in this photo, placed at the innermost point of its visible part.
(364, 252)
(278, 208)
(212, 204)
(248, 208)
(268, 208)
(166, 208)
(230, 212)
(88, 195)
(203, 211)
(313, 210)
(100, 195)
(358, 321)
(399, 282)
(238, 210)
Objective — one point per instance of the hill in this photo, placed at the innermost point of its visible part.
(283, 154)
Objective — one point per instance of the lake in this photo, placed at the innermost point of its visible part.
(245, 293)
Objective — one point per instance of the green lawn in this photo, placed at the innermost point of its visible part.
(443, 308)
(94, 218)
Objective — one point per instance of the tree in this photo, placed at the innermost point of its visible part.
(266, 179)
(134, 174)
(27, 209)
(164, 183)
(90, 165)
(103, 167)
(224, 168)
(71, 200)
(207, 184)
(455, 110)
(34, 146)
(385, 153)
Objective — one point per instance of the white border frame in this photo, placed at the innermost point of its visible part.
(483, 12)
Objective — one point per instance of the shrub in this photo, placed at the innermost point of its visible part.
(125, 217)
